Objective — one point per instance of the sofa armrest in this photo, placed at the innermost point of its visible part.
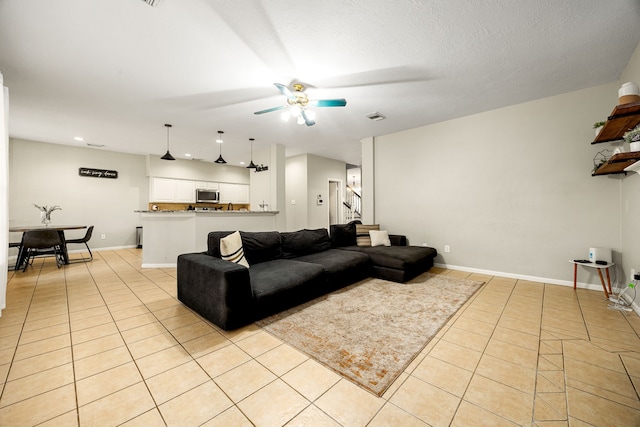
(218, 290)
(398, 240)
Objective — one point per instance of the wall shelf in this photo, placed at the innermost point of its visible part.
(635, 167)
(623, 118)
(619, 163)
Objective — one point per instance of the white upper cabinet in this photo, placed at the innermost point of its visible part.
(162, 190)
(205, 185)
(234, 193)
(185, 191)
(172, 190)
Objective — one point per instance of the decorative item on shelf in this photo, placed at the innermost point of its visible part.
(167, 155)
(628, 93)
(251, 164)
(600, 159)
(633, 138)
(45, 213)
(220, 160)
(597, 126)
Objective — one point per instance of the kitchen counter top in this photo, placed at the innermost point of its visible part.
(212, 211)
(170, 233)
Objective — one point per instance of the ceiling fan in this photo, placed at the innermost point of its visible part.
(298, 103)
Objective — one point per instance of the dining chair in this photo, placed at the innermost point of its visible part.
(82, 240)
(42, 243)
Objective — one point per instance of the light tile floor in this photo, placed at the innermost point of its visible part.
(107, 343)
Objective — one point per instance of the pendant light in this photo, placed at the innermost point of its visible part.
(251, 164)
(168, 155)
(219, 141)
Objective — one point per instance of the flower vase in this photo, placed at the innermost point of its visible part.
(45, 218)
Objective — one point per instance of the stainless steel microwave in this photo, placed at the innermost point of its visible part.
(207, 196)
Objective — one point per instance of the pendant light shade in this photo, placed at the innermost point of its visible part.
(220, 160)
(251, 164)
(167, 155)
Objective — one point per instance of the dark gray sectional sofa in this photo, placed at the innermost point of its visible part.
(287, 269)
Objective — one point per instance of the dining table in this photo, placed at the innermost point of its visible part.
(59, 228)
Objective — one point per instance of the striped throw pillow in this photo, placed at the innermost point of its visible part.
(362, 234)
(231, 249)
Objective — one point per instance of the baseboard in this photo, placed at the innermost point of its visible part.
(581, 285)
(172, 265)
(12, 258)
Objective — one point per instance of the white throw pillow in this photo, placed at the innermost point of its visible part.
(379, 238)
(231, 249)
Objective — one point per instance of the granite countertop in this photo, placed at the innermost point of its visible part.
(212, 211)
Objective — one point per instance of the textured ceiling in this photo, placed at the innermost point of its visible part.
(114, 71)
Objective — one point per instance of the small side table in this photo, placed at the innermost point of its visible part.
(599, 267)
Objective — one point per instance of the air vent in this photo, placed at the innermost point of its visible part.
(375, 116)
(95, 145)
(152, 2)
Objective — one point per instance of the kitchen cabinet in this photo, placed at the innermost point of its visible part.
(185, 191)
(206, 185)
(168, 190)
(234, 193)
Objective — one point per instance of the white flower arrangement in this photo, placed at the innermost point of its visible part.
(45, 212)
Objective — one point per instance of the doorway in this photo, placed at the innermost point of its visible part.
(334, 202)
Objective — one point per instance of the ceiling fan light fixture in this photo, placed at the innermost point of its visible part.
(285, 116)
(295, 110)
(300, 120)
(167, 155)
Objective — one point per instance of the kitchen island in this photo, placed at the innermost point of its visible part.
(167, 234)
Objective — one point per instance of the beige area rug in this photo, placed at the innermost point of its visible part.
(370, 331)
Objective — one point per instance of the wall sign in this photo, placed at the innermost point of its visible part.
(98, 173)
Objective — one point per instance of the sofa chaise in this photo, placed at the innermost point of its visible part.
(286, 269)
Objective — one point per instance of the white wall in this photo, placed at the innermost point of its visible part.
(296, 192)
(508, 190)
(47, 174)
(630, 194)
(196, 170)
(308, 176)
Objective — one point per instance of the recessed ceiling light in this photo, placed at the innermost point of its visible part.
(242, 163)
(187, 155)
(78, 138)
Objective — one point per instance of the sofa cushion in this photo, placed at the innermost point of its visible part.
(341, 267)
(343, 234)
(362, 234)
(304, 242)
(213, 242)
(231, 249)
(274, 279)
(397, 257)
(261, 246)
(379, 238)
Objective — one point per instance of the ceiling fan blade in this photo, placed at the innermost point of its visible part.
(285, 91)
(268, 110)
(329, 102)
(306, 118)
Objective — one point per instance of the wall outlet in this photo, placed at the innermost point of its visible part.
(103, 236)
(293, 202)
(447, 248)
